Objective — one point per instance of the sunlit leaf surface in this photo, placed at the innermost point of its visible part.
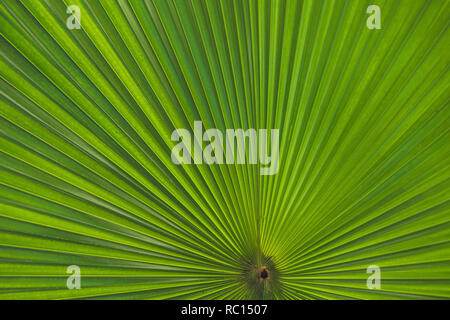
(87, 179)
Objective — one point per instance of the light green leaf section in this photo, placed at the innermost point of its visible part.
(87, 179)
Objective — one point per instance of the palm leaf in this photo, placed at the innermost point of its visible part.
(86, 176)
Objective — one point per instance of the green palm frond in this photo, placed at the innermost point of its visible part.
(87, 178)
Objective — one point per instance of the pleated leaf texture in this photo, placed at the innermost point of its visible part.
(87, 179)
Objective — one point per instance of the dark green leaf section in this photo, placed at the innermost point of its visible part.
(86, 176)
